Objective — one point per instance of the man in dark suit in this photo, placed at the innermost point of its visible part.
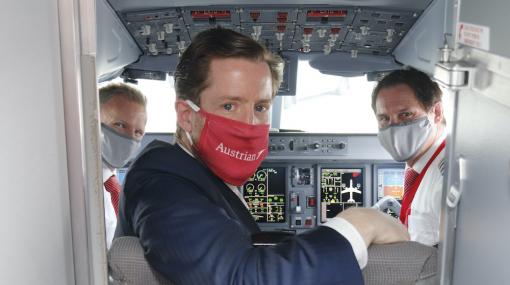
(182, 201)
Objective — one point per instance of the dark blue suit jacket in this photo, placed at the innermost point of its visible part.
(195, 230)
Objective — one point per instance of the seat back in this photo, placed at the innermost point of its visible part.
(399, 263)
(127, 264)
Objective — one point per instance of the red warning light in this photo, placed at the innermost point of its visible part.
(326, 13)
(282, 17)
(307, 31)
(335, 30)
(255, 15)
(210, 14)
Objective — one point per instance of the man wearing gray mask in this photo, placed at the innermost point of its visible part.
(123, 119)
(409, 111)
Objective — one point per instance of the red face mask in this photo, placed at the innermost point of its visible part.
(232, 150)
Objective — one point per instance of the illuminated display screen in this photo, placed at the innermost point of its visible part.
(301, 176)
(390, 182)
(264, 193)
(341, 188)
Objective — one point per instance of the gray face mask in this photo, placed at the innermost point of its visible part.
(117, 149)
(403, 141)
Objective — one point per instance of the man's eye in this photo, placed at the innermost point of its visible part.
(406, 114)
(119, 125)
(383, 119)
(228, 107)
(261, 108)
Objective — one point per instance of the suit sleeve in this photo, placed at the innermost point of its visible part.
(190, 240)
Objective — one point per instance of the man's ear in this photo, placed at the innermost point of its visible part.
(438, 112)
(184, 115)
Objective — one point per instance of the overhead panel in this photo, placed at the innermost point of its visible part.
(198, 19)
(376, 31)
(272, 27)
(159, 32)
(322, 28)
(298, 28)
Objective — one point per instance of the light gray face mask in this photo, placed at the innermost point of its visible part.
(403, 141)
(116, 148)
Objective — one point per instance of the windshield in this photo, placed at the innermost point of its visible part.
(322, 104)
(160, 103)
(328, 103)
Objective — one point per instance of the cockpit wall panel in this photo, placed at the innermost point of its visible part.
(116, 48)
(420, 48)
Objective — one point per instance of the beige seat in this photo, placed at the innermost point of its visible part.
(127, 264)
(400, 263)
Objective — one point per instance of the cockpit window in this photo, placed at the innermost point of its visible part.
(329, 103)
(160, 103)
(323, 104)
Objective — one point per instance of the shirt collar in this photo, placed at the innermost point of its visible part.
(184, 148)
(420, 163)
(107, 172)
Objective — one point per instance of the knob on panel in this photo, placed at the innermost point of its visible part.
(291, 145)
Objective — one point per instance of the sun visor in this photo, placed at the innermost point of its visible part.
(344, 64)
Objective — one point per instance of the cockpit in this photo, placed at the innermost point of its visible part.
(327, 152)
(323, 154)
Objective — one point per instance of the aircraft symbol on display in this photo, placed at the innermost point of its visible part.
(351, 190)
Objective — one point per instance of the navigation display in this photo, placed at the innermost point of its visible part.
(264, 193)
(340, 188)
(390, 182)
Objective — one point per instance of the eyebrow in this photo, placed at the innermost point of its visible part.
(241, 99)
(230, 98)
(266, 101)
(406, 110)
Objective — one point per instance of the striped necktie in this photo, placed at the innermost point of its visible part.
(112, 185)
(409, 178)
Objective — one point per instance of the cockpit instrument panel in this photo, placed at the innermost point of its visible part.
(308, 178)
(390, 182)
(340, 189)
(264, 194)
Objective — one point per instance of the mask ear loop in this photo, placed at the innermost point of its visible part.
(192, 105)
(195, 108)
(432, 123)
(189, 138)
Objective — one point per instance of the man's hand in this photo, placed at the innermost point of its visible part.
(374, 226)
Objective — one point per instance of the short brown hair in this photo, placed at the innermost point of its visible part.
(193, 69)
(121, 89)
(426, 91)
